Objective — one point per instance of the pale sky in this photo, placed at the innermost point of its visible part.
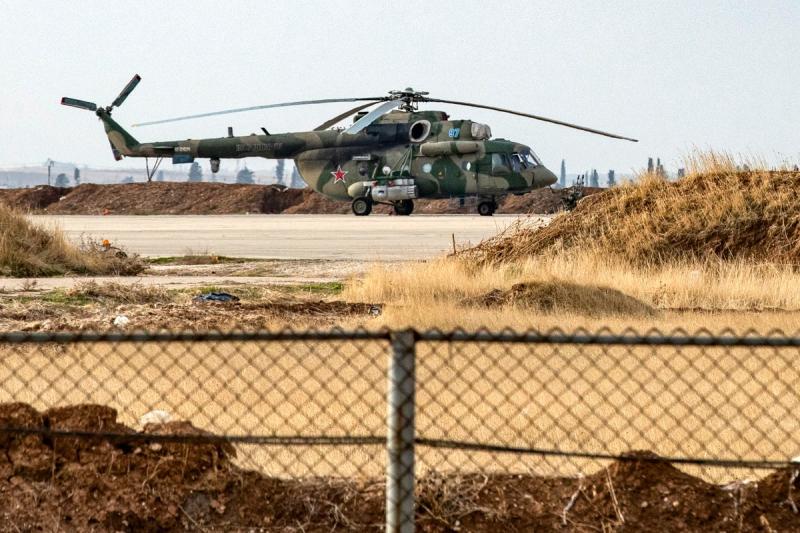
(675, 74)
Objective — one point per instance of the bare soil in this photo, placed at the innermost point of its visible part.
(183, 198)
(91, 306)
(72, 484)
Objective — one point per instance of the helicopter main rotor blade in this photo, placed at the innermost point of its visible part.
(372, 116)
(328, 123)
(536, 117)
(126, 91)
(253, 108)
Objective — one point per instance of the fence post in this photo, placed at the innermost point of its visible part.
(400, 390)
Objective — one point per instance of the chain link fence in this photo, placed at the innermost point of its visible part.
(401, 406)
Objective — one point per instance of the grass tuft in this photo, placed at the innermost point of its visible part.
(118, 293)
(27, 250)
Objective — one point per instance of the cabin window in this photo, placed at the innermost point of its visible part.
(500, 160)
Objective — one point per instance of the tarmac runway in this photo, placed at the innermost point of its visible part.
(373, 238)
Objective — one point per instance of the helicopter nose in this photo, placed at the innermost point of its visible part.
(542, 177)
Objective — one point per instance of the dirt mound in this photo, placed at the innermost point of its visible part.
(102, 484)
(32, 199)
(184, 198)
(94, 483)
(564, 297)
(312, 203)
(722, 214)
(541, 201)
(27, 250)
(170, 198)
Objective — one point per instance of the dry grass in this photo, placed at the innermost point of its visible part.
(118, 293)
(717, 212)
(27, 250)
(713, 295)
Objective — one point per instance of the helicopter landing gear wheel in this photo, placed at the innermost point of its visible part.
(487, 209)
(362, 206)
(404, 207)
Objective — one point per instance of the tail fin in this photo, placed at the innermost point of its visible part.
(122, 142)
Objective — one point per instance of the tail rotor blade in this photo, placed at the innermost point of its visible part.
(80, 104)
(127, 90)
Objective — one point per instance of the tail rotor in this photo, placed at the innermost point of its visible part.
(91, 106)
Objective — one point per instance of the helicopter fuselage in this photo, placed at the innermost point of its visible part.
(423, 153)
(391, 154)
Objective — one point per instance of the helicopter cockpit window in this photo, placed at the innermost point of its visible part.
(530, 159)
(516, 163)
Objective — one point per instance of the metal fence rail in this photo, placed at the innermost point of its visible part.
(403, 404)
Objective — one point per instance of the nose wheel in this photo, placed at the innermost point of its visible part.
(403, 207)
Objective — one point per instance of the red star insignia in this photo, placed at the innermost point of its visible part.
(339, 174)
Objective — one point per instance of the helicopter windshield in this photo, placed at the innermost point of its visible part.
(525, 158)
(530, 159)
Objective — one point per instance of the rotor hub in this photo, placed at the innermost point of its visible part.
(410, 98)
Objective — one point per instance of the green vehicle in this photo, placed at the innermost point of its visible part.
(393, 154)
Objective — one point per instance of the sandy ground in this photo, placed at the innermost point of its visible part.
(381, 238)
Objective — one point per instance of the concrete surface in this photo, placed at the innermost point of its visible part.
(372, 238)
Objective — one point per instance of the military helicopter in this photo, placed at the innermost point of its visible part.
(393, 154)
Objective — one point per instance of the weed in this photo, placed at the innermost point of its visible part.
(204, 259)
(329, 288)
(27, 250)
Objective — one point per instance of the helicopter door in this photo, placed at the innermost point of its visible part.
(491, 173)
(483, 176)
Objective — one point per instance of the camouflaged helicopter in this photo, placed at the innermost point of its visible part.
(392, 154)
